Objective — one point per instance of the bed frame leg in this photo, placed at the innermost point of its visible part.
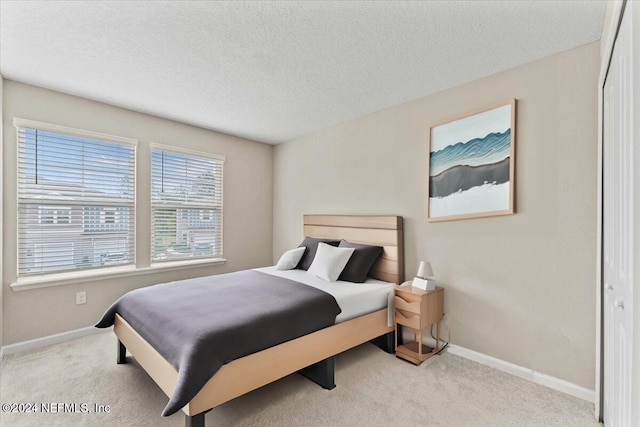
(322, 373)
(194, 420)
(386, 342)
(122, 353)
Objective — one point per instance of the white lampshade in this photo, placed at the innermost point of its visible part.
(424, 270)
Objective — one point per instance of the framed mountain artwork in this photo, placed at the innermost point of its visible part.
(471, 167)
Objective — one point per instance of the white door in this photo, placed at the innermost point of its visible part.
(618, 218)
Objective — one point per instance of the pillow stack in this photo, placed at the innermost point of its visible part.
(332, 260)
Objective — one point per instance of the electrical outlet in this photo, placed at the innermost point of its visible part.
(81, 298)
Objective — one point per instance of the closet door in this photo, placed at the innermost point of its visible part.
(618, 218)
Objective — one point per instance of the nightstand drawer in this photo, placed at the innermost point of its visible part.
(405, 318)
(410, 306)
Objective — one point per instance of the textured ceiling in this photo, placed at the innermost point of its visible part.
(273, 71)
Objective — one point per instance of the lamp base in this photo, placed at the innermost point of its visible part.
(424, 284)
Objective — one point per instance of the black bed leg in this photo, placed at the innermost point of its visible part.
(386, 342)
(322, 373)
(194, 420)
(122, 353)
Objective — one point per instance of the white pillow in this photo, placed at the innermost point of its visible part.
(330, 261)
(290, 259)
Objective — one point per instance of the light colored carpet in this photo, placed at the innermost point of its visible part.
(373, 389)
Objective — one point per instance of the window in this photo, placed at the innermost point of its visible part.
(75, 199)
(186, 205)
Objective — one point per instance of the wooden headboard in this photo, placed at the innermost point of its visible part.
(379, 230)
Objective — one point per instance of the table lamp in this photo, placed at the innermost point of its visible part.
(424, 278)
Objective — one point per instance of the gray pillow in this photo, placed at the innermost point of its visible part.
(360, 263)
(311, 244)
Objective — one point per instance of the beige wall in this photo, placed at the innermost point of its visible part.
(519, 288)
(248, 209)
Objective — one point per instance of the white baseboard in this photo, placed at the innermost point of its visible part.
(51, 339)
(527, 374)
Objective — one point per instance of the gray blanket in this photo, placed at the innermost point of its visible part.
(200, 324)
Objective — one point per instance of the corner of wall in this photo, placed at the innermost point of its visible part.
(609, 25)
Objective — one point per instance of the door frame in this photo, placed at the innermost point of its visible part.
(613, 19)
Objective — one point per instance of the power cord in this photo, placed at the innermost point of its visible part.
(445, 343)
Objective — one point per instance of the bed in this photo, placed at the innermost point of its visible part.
(311, 354)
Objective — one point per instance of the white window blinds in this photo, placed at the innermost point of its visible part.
(186, 205)
(76, 201)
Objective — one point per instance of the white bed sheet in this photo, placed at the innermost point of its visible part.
(355, 299)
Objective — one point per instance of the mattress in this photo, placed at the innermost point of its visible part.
(355, 299)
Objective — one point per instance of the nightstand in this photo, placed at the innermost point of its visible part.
(417, 309)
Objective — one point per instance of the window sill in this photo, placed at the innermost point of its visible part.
(37, 282)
